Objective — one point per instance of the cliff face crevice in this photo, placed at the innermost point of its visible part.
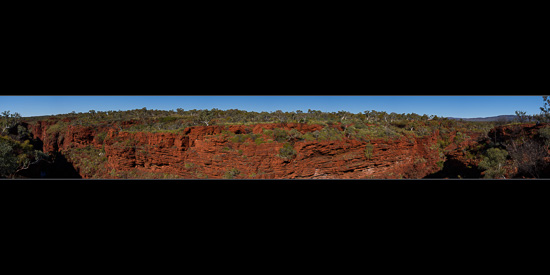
(206, 152)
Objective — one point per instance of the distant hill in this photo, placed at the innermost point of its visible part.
(491, 118)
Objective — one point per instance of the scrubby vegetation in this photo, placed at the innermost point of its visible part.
(137, 174)
(90, 160)
(17, 155)
(351, 125)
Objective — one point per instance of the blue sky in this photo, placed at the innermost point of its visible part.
(446, 106)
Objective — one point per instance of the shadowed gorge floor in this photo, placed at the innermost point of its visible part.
(61, 168)
(453, 168)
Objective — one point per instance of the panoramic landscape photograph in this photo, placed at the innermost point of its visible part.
(274, 137)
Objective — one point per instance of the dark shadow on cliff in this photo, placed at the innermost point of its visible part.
(62, 168)
(58, 168)
(453, 168)
(37, 144)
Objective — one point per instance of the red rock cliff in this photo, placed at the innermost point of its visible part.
(200, 152)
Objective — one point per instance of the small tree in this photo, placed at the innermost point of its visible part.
(529, 157)
(493, 163)
(521, 116)
(368, 116)
(368, 150)
(8, 160)
(545, 111)
(205, 117)
(9, 120)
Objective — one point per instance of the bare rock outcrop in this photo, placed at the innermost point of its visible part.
(205, 152)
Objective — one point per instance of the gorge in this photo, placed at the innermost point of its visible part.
(214, 144)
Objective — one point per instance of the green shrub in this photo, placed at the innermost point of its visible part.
(287, 151)
(459, 137)
(252, 136)
(392, 132)
(369, 148)
(361, 134)
(259, 141)
(330, 133)
(201, 175)
(443, 143)
(25, 146)
(226, 133)
(308, 137)
(280, 135)
(238, 138)
(493, 162)
(295, 134)
(8, 160)
(231, 173)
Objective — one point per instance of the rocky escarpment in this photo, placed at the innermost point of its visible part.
(212, 152)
